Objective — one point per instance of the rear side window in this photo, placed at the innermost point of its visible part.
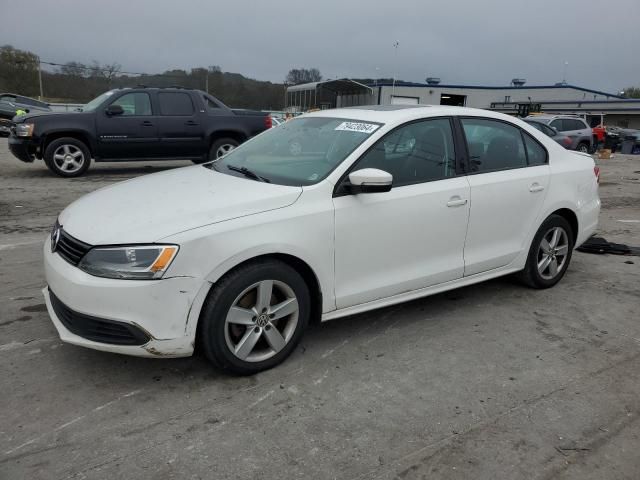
(175, 103)
(493, 145)
(536, 154)
(209, 102)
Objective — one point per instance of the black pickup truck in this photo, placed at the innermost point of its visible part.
(134, 124)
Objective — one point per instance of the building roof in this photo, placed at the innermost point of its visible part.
(332, 85)
(484, 87)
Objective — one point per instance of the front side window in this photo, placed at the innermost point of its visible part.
(134, 104)
(415, 153)
(175, 103)
(299, 152)
(493, 145)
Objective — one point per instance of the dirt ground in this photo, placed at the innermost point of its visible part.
(493, 381)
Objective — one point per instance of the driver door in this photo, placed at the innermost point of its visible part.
(412, 236)
(131, 134)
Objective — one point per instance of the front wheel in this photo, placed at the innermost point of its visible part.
(550, 253)
(254, 317)
(67, 157)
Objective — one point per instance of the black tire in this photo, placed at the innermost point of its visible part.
(219, 145)
(212, 328)
(583, 147)
(76, 148)
(531, 274)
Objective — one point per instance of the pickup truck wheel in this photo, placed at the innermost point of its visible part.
(67, 157)
(221, 147)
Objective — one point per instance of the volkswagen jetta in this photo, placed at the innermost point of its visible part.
(378, 205)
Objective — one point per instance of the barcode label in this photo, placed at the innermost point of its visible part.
(367, 128)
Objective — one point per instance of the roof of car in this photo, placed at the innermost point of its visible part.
(400, 113)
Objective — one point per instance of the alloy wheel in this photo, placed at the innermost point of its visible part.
(68, 158)
(552, 253)
(261, 321)
(224, 149)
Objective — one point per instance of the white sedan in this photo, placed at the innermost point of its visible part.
(381, 205)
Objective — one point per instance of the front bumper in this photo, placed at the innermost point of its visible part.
(22, 148)
(159, 309)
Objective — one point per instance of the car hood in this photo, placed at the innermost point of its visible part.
(37, 114)
(149, 208)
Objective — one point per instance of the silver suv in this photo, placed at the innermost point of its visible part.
(573, 127)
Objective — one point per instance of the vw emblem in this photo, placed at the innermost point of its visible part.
(262, 320)
(55, 236)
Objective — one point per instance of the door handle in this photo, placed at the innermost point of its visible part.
(147, 123)
(456, 201)
(536, 187)
(191, 122)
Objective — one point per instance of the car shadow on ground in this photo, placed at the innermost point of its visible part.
(195, 373)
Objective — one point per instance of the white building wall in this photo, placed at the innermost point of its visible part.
(482, 98)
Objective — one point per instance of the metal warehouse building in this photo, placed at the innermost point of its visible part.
(594, 105)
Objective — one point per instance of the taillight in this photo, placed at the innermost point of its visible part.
(268, 122)
(567, 141)
(596, 172)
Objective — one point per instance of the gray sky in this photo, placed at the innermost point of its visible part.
(482, 42)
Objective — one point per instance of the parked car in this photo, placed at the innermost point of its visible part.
(565, 140)
(10, 103)
(572, 126)
(135, 124)
(241, 254)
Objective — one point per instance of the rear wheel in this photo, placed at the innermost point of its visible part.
(550, 253)
(254, 317)
(67, 157)
(221, 147)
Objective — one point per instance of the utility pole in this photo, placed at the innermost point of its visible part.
(396, 44)
(206, 81)
(564, 73)
(40, 78)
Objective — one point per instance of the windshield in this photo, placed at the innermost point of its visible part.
(96, 102)
(298, 152)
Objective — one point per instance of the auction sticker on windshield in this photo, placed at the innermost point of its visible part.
(358, 127)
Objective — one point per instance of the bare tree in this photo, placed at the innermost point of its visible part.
(297, 76)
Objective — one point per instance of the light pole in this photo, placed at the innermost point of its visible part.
(396, 44)
(564, 73)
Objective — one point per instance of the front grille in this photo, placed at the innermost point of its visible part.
(71, 249)
(97, 329)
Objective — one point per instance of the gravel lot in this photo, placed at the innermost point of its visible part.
(488, 382)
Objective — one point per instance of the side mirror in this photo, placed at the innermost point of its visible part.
(370, 180)
(114, 110)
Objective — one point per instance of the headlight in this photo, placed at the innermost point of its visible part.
(147, 262)
(24, 129)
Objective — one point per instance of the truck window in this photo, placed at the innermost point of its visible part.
(138, 104)
(175, 103)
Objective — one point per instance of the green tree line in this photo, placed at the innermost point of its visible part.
(75, 82)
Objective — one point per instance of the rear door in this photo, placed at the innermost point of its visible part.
(509, 177)
(180, 125)
(133, 134)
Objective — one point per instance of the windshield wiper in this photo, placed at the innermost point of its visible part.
(248, 173)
